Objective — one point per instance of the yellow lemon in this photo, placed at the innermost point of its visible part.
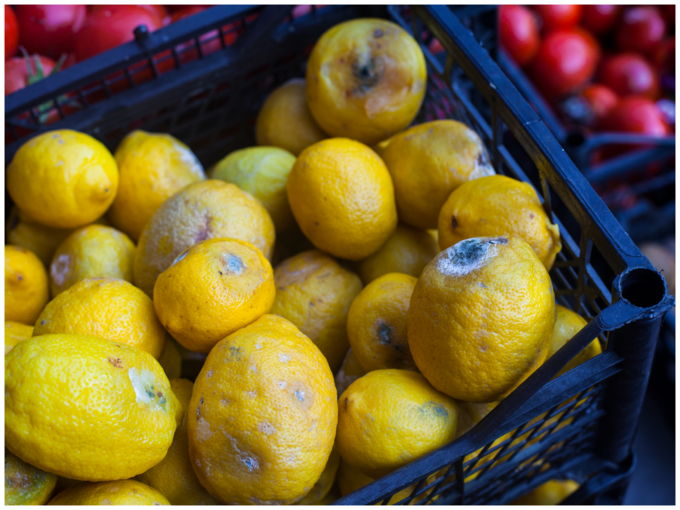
(550, 493)
(323, 485)
(407, 251)
(210, 209)
(15, 333)
(153, 167)
(121, 492)
(350, 371)
(427, 162)
(63, 179)
(481, 318)
(499, 205)
(342, 197)
(263, 415)
(567, 324)
(285, 120)
(262, 172)
(25, 484)
(86, 408)
(231, 280)
(376, 324)
(90, 252)
(26, 291)
(314, 292)
(173, 476)
(171, 360)
(106, 308)
(388, 418)
(366, 80)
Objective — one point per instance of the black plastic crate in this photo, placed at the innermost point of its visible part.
(211, 104)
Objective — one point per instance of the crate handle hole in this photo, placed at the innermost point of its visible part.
(642, 287)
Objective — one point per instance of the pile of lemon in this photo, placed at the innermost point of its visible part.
(406, 294)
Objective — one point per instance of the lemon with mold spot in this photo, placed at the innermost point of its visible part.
(15, 333)
(314, 292)
(123, 492)
(106, 308)
(204, 210)
(390, 417)
(25, 484)
(63, 179)
(376, 323)
(213, 289)
(173, 476)
(499, 205)
(95, 251)
(263, 415)
(427, 162)
(366, 80)
(26, 285)
(285, 120)
(86, 408)
(153, 167)
(481, 318)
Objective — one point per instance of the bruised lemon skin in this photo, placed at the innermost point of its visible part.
(263, 415)
(26, 285)
(204, 210)
(567, 324)
(106, 308)
(499, 205)
(427, 162)
(342, 197)
(25, 484)
(121, 492)
(366, 80)
(234, 275)
(63, 179)
(390, 417)
(153, 167)
(86, 408)
(285, 120)
(481, 317)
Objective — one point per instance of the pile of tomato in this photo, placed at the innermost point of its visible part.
(606, 67)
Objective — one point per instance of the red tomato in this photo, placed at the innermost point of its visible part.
(17, 71)
(641, 29)
(187, 11)
(554, 17)
(629, 74)
(636, 115)
(600, 19)
(519, 33)
(11, 32)
(50, 29)
(565, 61)
(601, 101)
(158, 10)
(106, 29)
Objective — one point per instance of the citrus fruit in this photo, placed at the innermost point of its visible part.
(153, 167)
(26, 291)
(314, 292)
(213, 289)
(376, 323)
(15, 333)
(481, 318)
(25, 484)
(407, 251)
(171, 360)
(106, 308)
(285, 120)
(388, 418)
(120, 492)
(333, 495)
(351, 480)
(63, 179)
(342, 197)
(366, 80)
(567, 324)
(262, 172)
(350, 371)
(86, 408)
(323, 485)
(210, 209)
(173, 476)
(550, 493)
(90, 252)
(263, 415)
(427, 162)
(499, 205)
